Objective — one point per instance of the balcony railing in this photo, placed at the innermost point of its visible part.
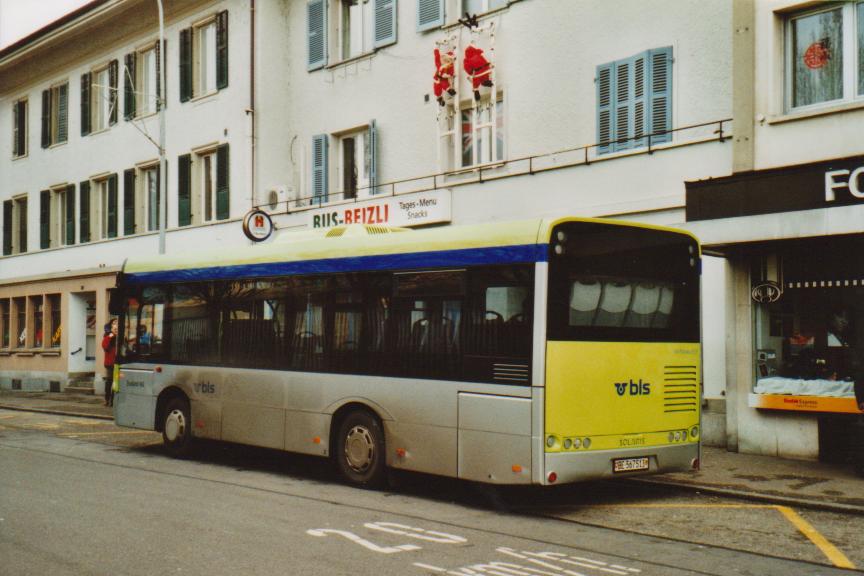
(717, 130)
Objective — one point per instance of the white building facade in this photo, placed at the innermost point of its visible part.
(789, 223)
(328, 112)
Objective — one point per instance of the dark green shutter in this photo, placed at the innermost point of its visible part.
(129, 202)
(86, 79)
(84, 211)
(70, 215)
(185, 65)
(63, 113)
(184, 190)
(46, 118)
(22, 225)
(112, 91)
(7, 227)
(222, 185)
(129, 77)
(20, 123)
(45, 219)
(112, 206)
(222, 50)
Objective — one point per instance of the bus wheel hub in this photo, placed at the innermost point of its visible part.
(359, 448)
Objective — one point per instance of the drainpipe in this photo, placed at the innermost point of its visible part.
(251, 110)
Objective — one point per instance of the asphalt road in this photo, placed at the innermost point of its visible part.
(80, 496)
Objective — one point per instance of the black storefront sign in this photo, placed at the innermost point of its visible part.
(837, 182)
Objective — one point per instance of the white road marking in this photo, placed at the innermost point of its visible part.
(363, 542)
(419, 533)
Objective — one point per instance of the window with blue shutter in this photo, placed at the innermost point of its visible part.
(319, 168)
(316, 31)
(430, 14)
(385, 23)
(634, 101)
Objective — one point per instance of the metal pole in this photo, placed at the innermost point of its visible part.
(163, 172)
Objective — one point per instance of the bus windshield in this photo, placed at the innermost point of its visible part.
(611, 283)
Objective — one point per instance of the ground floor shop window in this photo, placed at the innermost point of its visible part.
(810, 341)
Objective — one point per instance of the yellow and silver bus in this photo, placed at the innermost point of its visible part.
(531, 352)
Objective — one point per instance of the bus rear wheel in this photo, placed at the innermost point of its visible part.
(359, 452)
(177, 427)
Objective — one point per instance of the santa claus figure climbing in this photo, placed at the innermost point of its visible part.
(444, 71)
(478, 68)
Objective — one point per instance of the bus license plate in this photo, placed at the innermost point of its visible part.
(630, 464)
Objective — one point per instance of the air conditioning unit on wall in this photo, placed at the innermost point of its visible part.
(277, 199)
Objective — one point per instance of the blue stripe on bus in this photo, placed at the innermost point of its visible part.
(446, 258)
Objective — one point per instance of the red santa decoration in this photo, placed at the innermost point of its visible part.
(443, 78)
(479, 69)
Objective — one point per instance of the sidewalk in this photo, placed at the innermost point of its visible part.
(763, 478)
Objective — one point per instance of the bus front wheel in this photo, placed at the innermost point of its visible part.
(177, 427)
(359, 452)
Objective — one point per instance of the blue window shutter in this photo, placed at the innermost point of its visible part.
(605, 126)
(623, 110)
(316, 32)
(373, 157)
(430, 14)
(660, 95)
(385, 23)
(640, 89)
(319, 168)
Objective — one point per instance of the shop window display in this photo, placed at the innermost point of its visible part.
(810, 342)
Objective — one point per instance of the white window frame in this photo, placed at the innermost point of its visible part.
(485, 6)
(146, 98)
(59, 199)
(204, 167)
(22, 124)
(147, 199)
(204, 48)
(99, 190)
(18, 222)
(54, 114)
(100, 100)
(851, 64)
(346, 25)
(454, 141)
(364, 153)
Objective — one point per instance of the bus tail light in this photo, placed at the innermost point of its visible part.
(552, 477)
(516, 468)
(316, 440)
(400, 452)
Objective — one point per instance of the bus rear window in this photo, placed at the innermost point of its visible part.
(616, 283)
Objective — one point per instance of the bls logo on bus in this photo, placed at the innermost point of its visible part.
(205, 388)
(634, 388)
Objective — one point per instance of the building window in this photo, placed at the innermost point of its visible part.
(480, 6)
(203, 186)
(62, 216)
(825, 55)
(37, 305)
(204, 57)
(55, 115)
(55, 328)
(20, 322)
(15, 226)
(357, 162)
(634, 101)
(5, 326)
(479, 130)
(102, 208)
(356, 23)
(150, 192)
(19, 128)
(99, 98)
(141, 82)
(359, 27)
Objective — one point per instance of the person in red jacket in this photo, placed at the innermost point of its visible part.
(109, 345)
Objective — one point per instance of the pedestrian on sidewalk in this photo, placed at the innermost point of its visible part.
(109, 345)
